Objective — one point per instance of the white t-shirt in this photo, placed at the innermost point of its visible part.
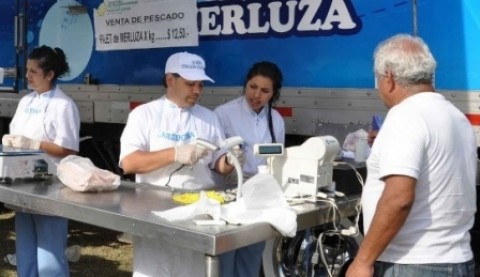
(50, 116)
(238, 119)
(427, 138)
(161, 124)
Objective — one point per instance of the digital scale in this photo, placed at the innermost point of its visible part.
(18, 163)
(301, 170)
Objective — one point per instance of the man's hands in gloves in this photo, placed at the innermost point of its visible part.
(189, 154)
(18, 141)
(238, 153)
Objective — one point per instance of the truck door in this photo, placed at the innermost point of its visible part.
(12, 44)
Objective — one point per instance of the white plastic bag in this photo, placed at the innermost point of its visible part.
(80, 174)
(351, 141)
(262, 201)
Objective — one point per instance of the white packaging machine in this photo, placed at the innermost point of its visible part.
(302, 170)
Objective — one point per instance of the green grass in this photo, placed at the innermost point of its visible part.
(101, 253)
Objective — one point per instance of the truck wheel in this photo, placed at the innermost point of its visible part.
(291, 257)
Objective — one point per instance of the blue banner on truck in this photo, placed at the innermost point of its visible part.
(316, 43)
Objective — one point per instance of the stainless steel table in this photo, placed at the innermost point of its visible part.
(128, 209)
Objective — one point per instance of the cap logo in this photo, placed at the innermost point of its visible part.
(194, 65)
(188, 66)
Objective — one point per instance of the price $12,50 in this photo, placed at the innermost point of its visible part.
(176, 33)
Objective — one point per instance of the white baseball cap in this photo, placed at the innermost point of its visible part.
(189, 66)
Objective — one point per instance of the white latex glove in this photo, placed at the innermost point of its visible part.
(23, 142)
(189, 154)
(238, 153)
(7, 140)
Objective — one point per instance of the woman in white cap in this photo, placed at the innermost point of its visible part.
(47, 120)
(156, 144)
(251, 116)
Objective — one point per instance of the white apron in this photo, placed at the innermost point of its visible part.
(155, 257)
(29, 122)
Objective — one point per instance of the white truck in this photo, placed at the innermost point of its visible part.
(117, 50)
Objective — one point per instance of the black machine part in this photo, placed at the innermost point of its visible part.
(299, 256)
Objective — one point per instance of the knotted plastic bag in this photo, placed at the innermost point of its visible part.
(80, 174)
(352, 139)
(262, 201)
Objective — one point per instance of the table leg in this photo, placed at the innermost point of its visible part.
(212, 266)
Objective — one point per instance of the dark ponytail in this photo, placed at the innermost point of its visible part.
(50, 59)
(271, 71)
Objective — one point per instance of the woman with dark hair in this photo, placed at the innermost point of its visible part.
(46, 119)
(251, 116)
